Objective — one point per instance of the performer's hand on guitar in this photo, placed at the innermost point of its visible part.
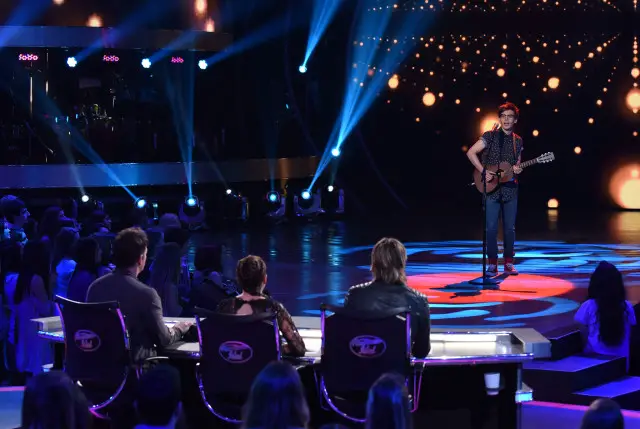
(489, 175)
(517, 169)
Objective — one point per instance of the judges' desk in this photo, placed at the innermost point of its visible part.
(457, 373)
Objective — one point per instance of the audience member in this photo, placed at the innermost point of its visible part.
(88, 268)
(209, 286)
(51, 223)
(606, 315)
(53, 401)
(31, 301)
(603, 414)
(16, 215)
(169, 220)
(388, 406)
(9, 269)
(139, 303)
(276, 400)
(180, 237)
(389, 290)
(158, 400)
(165, 274)
(63, 260)
(252, 277)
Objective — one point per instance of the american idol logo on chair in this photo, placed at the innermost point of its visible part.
(235, 351)
(367, 346)
(87, 341)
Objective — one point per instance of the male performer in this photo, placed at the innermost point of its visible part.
(502, 145)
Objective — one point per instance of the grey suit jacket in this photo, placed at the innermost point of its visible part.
(141, 307)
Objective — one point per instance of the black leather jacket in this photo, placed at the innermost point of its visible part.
(379, 296)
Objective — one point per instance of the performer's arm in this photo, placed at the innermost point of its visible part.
(473, 152)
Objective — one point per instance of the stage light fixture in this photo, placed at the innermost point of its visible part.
(191, 201)
(229, 191)
(308, 204)
(141, 203)
(302, 69)
(85, 198)
(146, 63)
(203, 64)
(335, 152)
(72, 62)
(27, 57)
(273, 196)
(177, 60)
(330, 188)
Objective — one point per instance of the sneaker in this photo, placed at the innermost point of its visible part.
(492, 270)
(510, 269)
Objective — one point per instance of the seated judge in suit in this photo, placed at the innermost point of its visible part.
(139, 303)
(389, 290)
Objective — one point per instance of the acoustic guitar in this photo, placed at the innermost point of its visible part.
(504, 172)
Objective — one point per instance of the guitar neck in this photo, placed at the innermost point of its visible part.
(528, 163)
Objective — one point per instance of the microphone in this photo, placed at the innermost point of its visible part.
(496, 126)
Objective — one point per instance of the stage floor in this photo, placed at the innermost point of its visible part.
(313, 263)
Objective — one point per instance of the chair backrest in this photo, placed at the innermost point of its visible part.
(234, 349)
(96, 341)
(358, 347)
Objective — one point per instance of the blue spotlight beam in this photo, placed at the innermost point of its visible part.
(26, 12)
(323, 13)
(266, 33)
(361, 87)
(183, 41)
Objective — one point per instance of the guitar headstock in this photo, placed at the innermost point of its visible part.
(545, 157)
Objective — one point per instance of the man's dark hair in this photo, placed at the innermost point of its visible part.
(508, 106)
(158, 396)
(11, 208)
(128, 246)
(250, 274)
(176, 235)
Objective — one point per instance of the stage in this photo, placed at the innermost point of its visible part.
(310, 263)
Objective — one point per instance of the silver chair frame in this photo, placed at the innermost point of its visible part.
(417, 380)
(203, 395)
(94, 408)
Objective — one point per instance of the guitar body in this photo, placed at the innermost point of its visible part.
(504, 170)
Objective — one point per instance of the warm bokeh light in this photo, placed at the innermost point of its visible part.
(633, 99)
(577, 150)
(200, 7)
(394, 82)
(94, 21)
(500, 72)
(553, 203)
(577, 65)
(429, 99)
(210, 25)
(457, 101)
(553, 82)
(58, 2)
(624, 187)
(599, 102)
(487, 123)
(635, 72)
(591, 121)
(535, 133)
(536, 59)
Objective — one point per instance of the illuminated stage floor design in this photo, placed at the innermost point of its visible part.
(313, 264)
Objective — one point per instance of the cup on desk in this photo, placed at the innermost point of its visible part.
(492, 383)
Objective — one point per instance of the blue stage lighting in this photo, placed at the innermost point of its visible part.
(72, 62)
(191, 201)
(273, 197)
(302, 68)
(141, 203)
(335, 152)
(306, 194)
(146, 63)
(85, 198)
(203, 64)
(330, 188)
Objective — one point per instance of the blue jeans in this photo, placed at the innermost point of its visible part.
(508, 210)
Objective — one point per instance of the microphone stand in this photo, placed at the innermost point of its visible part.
(484, 281)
